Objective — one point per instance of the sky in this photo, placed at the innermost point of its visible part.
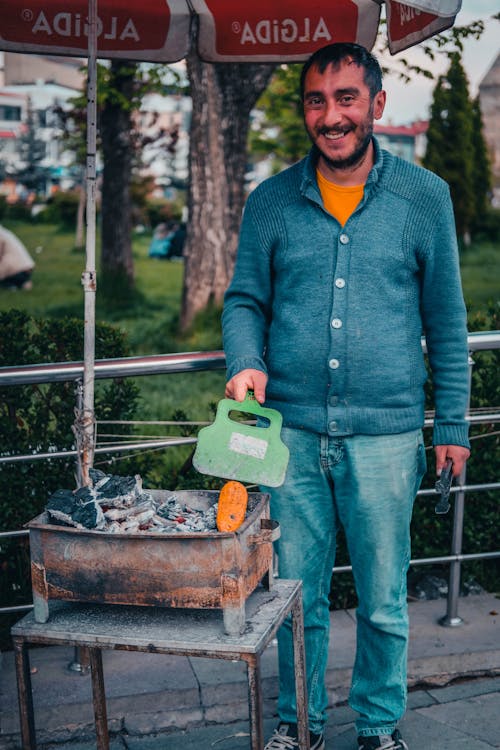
(407, 102)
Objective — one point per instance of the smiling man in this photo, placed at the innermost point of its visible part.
(344, 261)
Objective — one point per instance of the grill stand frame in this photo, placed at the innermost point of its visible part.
(166, 631)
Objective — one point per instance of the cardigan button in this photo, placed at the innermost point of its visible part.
(340, 283)
(344, 239)
(334, 363)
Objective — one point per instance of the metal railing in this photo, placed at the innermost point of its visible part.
(214, 360)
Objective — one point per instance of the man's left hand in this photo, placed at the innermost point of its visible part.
(457, 453)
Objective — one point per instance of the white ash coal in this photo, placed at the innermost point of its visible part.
(115, 505)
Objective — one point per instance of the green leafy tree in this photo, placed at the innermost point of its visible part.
(450, 150)
(277, 130)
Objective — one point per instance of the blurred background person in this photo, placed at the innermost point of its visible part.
(161, 242)
(16, 264)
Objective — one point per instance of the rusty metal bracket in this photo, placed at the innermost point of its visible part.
(270, 532)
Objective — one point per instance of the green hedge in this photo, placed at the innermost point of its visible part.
(39, 418)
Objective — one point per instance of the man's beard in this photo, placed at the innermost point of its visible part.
(354, 159)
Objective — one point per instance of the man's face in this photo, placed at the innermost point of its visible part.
(339, 113)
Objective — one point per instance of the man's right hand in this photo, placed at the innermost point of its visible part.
(247, 380)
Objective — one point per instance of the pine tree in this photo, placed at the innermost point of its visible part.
(32, 151)
(450, 151)
(481, 176)
(434, 154)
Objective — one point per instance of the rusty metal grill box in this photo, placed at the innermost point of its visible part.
(193, 570)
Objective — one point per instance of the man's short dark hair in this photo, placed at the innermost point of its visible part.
(334, 54)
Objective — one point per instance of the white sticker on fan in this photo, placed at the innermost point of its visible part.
(247, 445)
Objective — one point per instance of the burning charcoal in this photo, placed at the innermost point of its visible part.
(196, 524)
(113, 528)
(146, 497)
(78, 508)
(97, 477)
(130, 525)
(120, 492)
(161, 524)
(121, 506)
(211, 516)
(171, 509)
(144, 517)
(120, 514)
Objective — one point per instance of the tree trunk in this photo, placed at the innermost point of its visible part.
(223, 96)
(117, 264)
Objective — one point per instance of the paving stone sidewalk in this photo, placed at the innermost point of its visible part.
(158, 702)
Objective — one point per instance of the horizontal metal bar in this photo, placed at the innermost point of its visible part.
(114, 368)
(483, 418)
(434, 560)
(21, 532)
(477, 341)
(163, 364)
(102, 449)
(10, 610)
(472, 418)
(456, 558)
(486, 487)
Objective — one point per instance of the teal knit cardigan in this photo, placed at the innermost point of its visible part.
(335, 314)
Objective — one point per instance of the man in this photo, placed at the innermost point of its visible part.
(344, 260)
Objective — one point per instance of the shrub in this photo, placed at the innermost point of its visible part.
(39, 418)
(19, 211)
(61, 208)
(158, 211)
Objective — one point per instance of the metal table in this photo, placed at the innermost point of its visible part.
(187, 632)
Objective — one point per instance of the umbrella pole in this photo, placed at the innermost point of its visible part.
(87, 417)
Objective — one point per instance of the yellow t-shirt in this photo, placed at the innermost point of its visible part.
(338, 200)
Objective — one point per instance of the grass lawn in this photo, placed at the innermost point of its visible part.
(57, 289)
(149, 321)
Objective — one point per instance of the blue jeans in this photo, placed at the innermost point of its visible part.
(367, 484)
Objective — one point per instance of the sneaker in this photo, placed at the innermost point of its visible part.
(392, 741)
(285, 738)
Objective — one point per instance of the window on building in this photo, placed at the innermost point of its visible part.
(10, 113)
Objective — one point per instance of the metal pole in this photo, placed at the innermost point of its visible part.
(79, 408)
(86, 422)
(452, 619)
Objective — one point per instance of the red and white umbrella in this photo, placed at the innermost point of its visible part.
(227, 31)
(223, 31)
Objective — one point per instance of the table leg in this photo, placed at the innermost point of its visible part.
(99, 698)
(25, 696)
(300, 672)
(234, 619)
(255, 701)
